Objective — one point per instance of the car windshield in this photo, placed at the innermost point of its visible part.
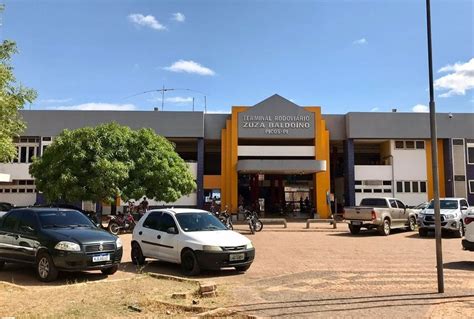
(199, 222)
(63, 218)
(445, 204)
(421, 206)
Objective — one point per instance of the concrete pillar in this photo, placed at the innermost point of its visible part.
(349, 174)
(200, 173)
(448, 167)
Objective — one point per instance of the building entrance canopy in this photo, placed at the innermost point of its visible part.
(300, 166)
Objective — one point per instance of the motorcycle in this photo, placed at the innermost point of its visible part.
(226, 219)
(255, 224)
(121, 222)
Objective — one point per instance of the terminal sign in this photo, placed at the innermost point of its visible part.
(276, 118)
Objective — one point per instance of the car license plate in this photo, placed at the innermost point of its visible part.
(235, 257)
(356, 223)
(99, 258)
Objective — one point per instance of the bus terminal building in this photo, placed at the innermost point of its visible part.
(277, 155)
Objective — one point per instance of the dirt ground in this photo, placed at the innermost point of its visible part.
(316, 273)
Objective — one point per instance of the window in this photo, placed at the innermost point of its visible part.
(420, 145)
(387, 190)
(393, 203)
(11, 221)
(399, 187)
(399, 144)
(46, 138)
(166, 222)
(358, 190)
(470, 154)
(458, 141)
(367, 191)
(377, 190)
(407, 187)
(400, 204)
(28, 223)
(459, 178)
(153, 221)
(464, 203)
(409, 144)
(423, 187)
(358, 182)
(387, 183)
(22, 154)
(471, 186)
(414, 187)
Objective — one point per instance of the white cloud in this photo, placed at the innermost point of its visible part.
(189, 67)
(420, 108)
(375, 109)
(360, 41)
(459, 80)
(47, 101)
(96, 107)
(179, 17)
(146, 21)
(174, 100)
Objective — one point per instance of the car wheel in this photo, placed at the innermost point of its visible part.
(137, 254)
(354, 229)
(45, 268)
(411, 224)
(384, 230)
(460, 232)
(114, 228)
(189, 263)
(258, 225)
(242, 268)
(110, 271)
(422, 232)
(2, 264)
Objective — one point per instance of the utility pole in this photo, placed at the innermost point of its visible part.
(434, 158)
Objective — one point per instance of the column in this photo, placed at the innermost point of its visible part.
(448, 167)
(200, 173)
(349, 174)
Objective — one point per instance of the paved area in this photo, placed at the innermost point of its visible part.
(323, 272)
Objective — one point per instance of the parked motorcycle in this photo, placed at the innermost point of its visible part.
(120, 223)
(226, 219)
(255, 224)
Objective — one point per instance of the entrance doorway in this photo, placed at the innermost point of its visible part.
(277, 195)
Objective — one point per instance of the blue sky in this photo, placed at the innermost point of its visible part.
(345, 56)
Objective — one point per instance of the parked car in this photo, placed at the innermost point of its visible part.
(468, 241)
(5, 207)
(417, 209)
(452, 211)
(194, 238)
(55, 239)
(382, 213)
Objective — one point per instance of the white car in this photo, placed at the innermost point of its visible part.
(468, 241)
(191, 237)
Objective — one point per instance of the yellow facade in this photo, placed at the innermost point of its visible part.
(229, 159)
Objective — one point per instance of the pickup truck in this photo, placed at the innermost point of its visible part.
(382, 213)
(452, 211)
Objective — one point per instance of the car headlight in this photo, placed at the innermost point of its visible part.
(211, 248)
(118, 243)
(449, 216)
(249, 245)
(67, 246)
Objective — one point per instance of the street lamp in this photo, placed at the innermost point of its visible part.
(434, 158)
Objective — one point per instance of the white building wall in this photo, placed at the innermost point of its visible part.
(409, 165)
(18, 199)
(16, 170)
(373, 172)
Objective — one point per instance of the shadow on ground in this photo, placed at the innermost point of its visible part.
(24, 275)
(460, 265)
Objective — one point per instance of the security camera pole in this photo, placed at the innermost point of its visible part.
(434, 159)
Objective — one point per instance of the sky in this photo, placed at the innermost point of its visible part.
(345, 56)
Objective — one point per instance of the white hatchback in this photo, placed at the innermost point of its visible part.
(468, 241)
(194, 238)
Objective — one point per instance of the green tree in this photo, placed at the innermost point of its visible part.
(13, 97)
(100, 163)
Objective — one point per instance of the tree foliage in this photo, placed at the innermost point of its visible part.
(13, 97)
(100, 163)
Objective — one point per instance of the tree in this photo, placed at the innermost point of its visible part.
(100, 163)
(12, 98)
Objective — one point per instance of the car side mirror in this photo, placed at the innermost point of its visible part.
(463, 207)
(27, 229)
(172, 230)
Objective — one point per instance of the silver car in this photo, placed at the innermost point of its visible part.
(452, 212)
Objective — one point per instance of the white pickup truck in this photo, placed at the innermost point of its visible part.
(382, 213)
(452, 211)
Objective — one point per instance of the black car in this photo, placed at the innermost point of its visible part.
(5, 207)
(56, 239)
